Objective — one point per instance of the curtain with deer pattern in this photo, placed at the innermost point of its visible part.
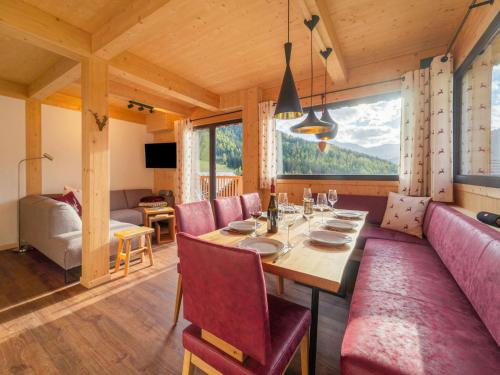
(426, 167)
(186, 183)
(268, 163)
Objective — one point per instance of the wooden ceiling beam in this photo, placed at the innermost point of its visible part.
(134, 23)
(131, 93)
(57, 77)
(30, 24)
(144, 73)
(324, 36)
(13, 89)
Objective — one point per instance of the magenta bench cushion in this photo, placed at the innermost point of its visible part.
(409, 316)
(375, 205)
(428, 306)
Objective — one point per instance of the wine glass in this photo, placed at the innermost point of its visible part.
(282, 203)
(332, 198)
(307, 193)
(256, 213)
(322, 204)
(289, 217)
(308, 211)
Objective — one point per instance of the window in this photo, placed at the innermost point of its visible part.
(217, 160)
(366, 146)
(477, 109)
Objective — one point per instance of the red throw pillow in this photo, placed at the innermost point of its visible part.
(152, 198)
(70, 199)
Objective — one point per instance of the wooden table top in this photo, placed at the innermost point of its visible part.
(158, 210)
(307, 263)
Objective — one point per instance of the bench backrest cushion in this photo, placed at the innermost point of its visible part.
(375, 205)
(470, 251)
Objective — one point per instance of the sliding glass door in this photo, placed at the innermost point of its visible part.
(217, 151)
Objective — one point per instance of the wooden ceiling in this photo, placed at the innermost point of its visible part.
(189, 52)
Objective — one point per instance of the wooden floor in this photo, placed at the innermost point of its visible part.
(122, 327)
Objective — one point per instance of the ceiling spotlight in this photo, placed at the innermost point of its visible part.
(151, 110)
(130, 105)
(141, 108)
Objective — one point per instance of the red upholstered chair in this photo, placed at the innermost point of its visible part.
(250, 202)
(236, 327)
(195, 218)
(227, 210)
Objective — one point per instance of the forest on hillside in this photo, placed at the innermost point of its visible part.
(299, 156)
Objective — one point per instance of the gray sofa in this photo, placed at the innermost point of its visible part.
(55, 229)
(124, 205)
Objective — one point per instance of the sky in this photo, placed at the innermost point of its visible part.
(367, 125)
(495, 98)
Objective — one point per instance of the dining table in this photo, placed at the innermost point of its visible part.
(320, 267)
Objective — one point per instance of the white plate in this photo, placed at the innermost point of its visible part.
(340, 224)
(264, 246)
(242, 226)
(348, 214)
(329, 238)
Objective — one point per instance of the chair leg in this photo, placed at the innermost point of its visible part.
(304, 355)
(178, 299)
(187, 366)
(280, 287)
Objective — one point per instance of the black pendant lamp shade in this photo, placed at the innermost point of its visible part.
(311, 124)
(325, 116)
(288, 106)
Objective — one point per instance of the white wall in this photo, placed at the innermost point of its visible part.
(12, 149)
(61, 137)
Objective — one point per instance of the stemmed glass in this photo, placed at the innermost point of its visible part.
(332, 198)
(289, 217)
(308, 203)
(322, 204)
(282, 204)
(256, 213)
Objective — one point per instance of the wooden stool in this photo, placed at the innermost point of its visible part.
(126, 237)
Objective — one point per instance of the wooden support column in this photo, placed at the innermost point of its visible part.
(251, 140)
(95, 178)
(33, 146)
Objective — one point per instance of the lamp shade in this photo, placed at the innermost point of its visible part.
(311, 125)
(334, 130)
(323, 146)
(288, 105)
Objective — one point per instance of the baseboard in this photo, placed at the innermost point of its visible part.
(8, 246)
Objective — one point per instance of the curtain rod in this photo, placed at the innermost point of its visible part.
(211, 116)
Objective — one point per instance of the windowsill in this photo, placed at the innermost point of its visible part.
(339, 177)
(488, 181)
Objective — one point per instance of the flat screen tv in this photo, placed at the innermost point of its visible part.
(161, 155)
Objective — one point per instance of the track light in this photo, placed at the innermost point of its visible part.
(130, 105)
(141, 108)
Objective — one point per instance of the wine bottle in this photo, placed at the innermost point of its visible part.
(272, 211)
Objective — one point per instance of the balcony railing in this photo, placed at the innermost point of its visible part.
(225, 186)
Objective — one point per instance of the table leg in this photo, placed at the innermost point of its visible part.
(314, 330)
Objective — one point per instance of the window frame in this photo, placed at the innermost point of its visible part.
(363, 177)
(489, 181)
(212, 165)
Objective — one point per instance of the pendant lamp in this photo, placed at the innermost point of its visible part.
(325, 116)
(323, 146)
(288, 105)
(311, 124)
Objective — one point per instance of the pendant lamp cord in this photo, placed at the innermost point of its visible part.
(288, 23)
(326, 71)
(312, 72)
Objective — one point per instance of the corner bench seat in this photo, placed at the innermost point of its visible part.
(427, 308)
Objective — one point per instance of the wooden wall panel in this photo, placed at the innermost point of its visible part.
(251, 140)
(295, 188)
(477, 198)
(33, 146)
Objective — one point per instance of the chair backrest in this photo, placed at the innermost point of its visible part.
(195, 218)
(225, 294)
(227, 210)
(250, 202)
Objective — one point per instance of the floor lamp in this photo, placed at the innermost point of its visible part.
(44, 156)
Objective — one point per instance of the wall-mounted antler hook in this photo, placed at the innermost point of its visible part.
(101, 123)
